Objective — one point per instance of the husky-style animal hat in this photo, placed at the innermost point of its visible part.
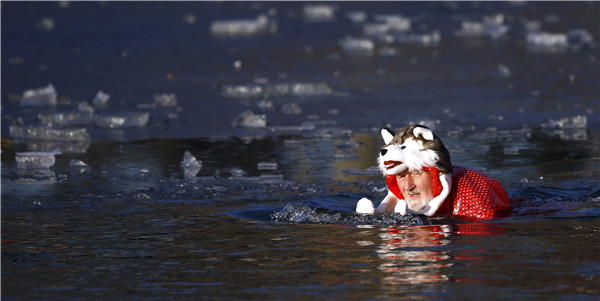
(412, 148)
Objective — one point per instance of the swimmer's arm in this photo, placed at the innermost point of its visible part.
(388, 203)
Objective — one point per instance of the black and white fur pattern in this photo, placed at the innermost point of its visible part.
(412, 147)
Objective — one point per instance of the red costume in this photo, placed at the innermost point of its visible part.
(473, 196)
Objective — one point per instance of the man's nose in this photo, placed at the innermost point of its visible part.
(407, 183)
(383, 151)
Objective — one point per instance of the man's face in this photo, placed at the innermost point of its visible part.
(416, 188)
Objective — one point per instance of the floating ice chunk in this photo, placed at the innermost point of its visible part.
(39, 97)
(575, 122)
(189, 19)
(375, 29)
(470, 29)
(250, 120)
(242, 91)
(291, 109)
(66, 118)
(122, 120)
(46, 23)
(426, 39)
(165, 100)
(579, 38)
(34, 160)
(503, 70)
(40, 133)
(547, 41)
(85, 107)
(357, 46)
(253, 91)
(492, 26)
(310, 89)
(101, 99)
(77, 163)
(265, 104)
(567, 128)
(190, 165)
(243, 27)
(318, 12)
(267, 166)
(281, 89)
(357, 16)
(395, 22)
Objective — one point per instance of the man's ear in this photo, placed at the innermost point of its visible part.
(387, 135)
(426, 133)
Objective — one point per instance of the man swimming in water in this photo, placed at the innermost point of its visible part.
(421, 180)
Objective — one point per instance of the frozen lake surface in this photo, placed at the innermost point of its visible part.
(169, 136)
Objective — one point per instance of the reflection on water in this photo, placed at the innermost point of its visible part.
(412, 255)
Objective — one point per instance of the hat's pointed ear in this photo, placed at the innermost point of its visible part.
(426, 133)
(387, 135)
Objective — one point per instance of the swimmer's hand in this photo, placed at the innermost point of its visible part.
(365, 206)
(401, 207)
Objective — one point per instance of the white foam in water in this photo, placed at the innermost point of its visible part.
(357, 46)
(35, 160)
(100, 99)
(243, 27)
(41, 133)
(165, 100)
(122, 120)
(66, 118)
(45, 96)
(191, 166)
(318, 12)
(248, 119)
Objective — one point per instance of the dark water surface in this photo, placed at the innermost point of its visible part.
(131, 225)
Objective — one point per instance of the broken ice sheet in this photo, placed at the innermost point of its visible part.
(243, 27)
(191, 166)
(250, 120)
(41, 133)
(35, 160)
(66, 118)
(45, 96)
(122, 120)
